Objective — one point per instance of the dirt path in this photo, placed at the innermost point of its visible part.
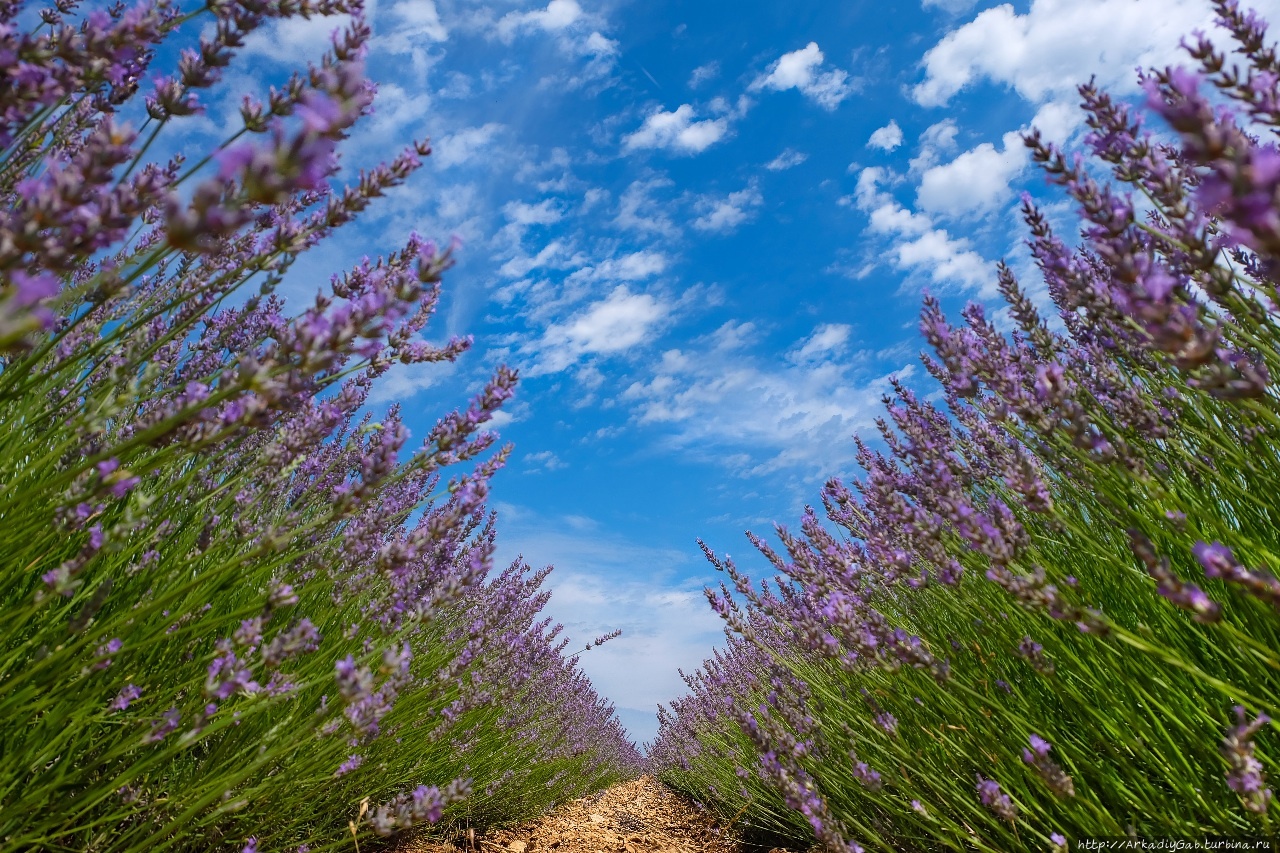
(640, 816)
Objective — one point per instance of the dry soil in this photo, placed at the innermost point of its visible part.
(640, 816)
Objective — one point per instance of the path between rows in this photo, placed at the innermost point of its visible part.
(640, 816)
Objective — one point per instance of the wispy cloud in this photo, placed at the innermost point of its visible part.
(716, 399)
(704, 73)
(543, 460)
(723, 214)
(640, 212)
(665, 621)
(463, 146)
(788, 159)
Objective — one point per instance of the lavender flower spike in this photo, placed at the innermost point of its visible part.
(995, 799)
(1245, 774)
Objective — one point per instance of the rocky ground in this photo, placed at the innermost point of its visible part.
(640, 816)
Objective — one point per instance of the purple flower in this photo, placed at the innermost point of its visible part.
(105, 651)
(251, 846)
(350, 764)
(281, 595)
(1050, 772)
(319, 112)
(166, 724)
(227, 675)
(996, 800)
(868, 777)
(31, 289)
(1245, 773)
(354, 682)
(127, 695)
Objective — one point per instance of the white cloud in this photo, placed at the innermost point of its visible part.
(414, 24)
(937, 139)
(723, 215)
(295, 41)
(977, 180)
(461, 147)
(554, 255)
(918, 246)
(826, 340)
(544, 212)
(543, 460)
(595, 588)
(800, 70)
(635, 266)
(610, 326)
(1055, 45)
(713, 399)
(952, 6)
(1057, 120)
(786, 160)
(558, 15)
(639, 212)
(677, 131)
(703, 73)
(886, 138)
(521, 216)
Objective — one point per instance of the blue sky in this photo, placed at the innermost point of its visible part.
(701, 230)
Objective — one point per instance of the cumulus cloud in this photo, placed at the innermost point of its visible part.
(917, 245)
(1057, 44)
(724, 214)
(934, 142)
(801, 70)
(886, 138)
(788, 159)
(295, 41)
(558, 15)
(977, 180)
(610, 326)
(677, 131)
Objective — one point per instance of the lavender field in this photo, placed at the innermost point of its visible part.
(242, 610)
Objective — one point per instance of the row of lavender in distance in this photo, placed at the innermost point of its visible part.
(1047, 609)
(240, 610)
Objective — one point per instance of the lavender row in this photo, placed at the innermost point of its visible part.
(1047, 608)
(240, 610)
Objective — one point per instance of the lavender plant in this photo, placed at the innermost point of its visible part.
(239, 611)
(1050, 610)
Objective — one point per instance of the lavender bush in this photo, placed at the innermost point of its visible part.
(239, 611)
(1050, 610)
